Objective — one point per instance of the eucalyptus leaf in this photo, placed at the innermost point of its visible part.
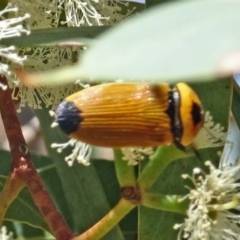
(3, 4)
(55, 36)
(151, 3)
(184, 40)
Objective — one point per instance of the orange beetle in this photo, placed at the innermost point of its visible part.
(132, 115)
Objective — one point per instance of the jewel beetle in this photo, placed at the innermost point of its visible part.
(132, 115)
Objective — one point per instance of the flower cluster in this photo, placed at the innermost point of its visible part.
(134, 155)
(48, 14)
(10, 27)
(93, 12)
(211, 134)
(214, 207)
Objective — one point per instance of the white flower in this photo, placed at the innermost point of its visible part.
(4, 235)
(49, 97)
(211, 134)
(10, 27)
(81, 13)
(92, 12)
(44, 14)
(81, 151)
(213, 212)
(134, 155)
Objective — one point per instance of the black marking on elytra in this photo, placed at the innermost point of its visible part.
(197, 115)
(173, 112)
(68, 117)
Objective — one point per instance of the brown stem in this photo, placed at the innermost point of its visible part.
(23, 170)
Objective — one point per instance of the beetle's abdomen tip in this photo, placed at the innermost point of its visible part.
(68, 117)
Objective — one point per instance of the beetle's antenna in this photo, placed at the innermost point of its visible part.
(179, 146)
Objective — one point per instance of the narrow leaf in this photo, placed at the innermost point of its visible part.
(186, 40)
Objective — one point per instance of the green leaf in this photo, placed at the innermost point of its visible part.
(25, 231)
(51, 180)
(3, 4)
(216, 97)
(184, 40)
(151, 3)
(5, 162)
(54, 36)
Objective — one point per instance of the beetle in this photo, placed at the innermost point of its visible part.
(132, 115)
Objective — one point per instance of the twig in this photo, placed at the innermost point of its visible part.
(24, 172)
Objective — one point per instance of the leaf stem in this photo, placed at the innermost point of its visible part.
(108, 221)
(157, 163)
(125, 173)
(162, 202)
